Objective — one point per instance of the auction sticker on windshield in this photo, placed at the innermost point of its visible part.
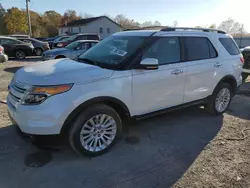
(118, 52)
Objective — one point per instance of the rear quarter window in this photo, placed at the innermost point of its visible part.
(230, 46)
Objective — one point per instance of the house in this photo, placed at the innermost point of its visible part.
(101, 25)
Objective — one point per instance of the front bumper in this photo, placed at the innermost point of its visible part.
(43, 119)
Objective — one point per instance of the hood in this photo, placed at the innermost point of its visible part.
(60, 71)
(56, 51)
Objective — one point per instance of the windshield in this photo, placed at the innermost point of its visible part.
(72, 45)
(113, 50)
(70, 38)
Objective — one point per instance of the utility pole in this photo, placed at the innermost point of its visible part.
(28, 17)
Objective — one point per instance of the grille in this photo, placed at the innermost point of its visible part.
(17, 92)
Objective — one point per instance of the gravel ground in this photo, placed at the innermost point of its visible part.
(189, 148)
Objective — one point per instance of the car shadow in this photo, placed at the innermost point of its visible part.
(153, 152)
(32, 59)
(240, 103)
(11, 69)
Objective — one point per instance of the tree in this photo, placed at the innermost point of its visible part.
(69, 16)
(15, 20)
(157, 23)
(3, 29)
(232, 27)
(213, 26)
(125, 22)
(175, 24)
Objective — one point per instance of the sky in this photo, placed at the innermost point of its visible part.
(188, 13)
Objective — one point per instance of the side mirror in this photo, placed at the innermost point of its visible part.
(149, 64)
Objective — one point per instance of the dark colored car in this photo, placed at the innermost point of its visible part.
(246, 54)
(71, 51)
(83, 36)
(39, 46)
(58, 39)
(16, 48)
(41, 38)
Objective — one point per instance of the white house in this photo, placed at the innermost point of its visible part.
(102, 25)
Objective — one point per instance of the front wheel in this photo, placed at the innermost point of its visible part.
(38, 51)
(95, 130)
(220, 99)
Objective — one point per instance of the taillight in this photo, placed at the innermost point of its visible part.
(1, 49)
(242, 59)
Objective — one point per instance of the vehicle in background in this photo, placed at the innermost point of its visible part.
(71, 51)
(41, 38)
(19, 36)
(246, 67)
(39, 46)
(16, 48)
(3, 56)
(58, 39)
(81, 36)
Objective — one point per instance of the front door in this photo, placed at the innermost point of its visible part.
(159, 89)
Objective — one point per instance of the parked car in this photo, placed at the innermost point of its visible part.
(58, 39)
(3, 56)
(73, 50)
(39, 46)
(246, 54)
(129, 74)
(41, 38)
(82, 36)
(19, 36)
(16, 48)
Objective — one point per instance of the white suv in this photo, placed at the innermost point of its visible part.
(129, 74)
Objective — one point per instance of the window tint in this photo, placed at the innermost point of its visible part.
(108, 30)
(165, 49)
(83, 46)
(92, 44)
(9, 41)
(212, 51)
(196, 48)
(230, 46)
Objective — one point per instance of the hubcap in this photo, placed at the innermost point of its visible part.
(222, 100)
(39, 52)
(20, 55)
(98, 132)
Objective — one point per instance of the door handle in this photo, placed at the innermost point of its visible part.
(177, 71)
(218, 64)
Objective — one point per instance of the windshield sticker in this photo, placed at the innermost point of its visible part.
(118, 52)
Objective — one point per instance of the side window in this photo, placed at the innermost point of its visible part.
(92, 44)
(82, 37)
(27, 41)
(83, 46)
(213, 53)
(165, 49)
(108, 30)
(8, 41)
(230, 46)
(196, 48)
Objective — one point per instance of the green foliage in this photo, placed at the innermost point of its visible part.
(16, 21)
(3, 28)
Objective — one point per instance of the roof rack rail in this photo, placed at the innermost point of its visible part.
(192, 28)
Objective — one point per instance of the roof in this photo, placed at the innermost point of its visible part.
(86, 21)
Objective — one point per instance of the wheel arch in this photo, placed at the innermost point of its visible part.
(119, 106)
(229, 79)
(60, 56)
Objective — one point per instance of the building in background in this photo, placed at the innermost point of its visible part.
(242, 41)
(101, 25)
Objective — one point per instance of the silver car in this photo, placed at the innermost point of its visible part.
(3, 56)
(71, 51)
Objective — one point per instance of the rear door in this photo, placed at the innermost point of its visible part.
(203, 66)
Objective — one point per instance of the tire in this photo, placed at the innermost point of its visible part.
(212, 106)
(38, 51)
(244, 76)
(79, 134)
(20, 54)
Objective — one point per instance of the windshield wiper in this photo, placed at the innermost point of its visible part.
(89, 61)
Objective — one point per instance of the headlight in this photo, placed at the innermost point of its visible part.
(38, 94)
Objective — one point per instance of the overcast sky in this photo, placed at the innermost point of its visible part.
(185, 12)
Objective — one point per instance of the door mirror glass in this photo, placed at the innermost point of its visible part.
(149, 64)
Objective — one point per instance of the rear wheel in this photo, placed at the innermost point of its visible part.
(20, 54)
(95, 130)
(220, 99)
(38, 51)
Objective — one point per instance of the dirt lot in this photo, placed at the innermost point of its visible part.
(186, 148)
